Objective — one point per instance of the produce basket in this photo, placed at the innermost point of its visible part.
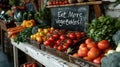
(82, 62)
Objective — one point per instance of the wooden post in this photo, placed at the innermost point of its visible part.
(97, 9)
(15, 54)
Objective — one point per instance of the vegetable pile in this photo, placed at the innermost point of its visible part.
(23, 36)
(103, 28)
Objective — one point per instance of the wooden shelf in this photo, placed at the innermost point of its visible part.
(77, 4)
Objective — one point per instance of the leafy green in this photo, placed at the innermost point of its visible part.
(23, 36)
(103, 28)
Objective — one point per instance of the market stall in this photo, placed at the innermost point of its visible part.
(64, 33)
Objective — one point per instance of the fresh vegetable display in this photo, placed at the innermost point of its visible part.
(103, 28)
(62, 39)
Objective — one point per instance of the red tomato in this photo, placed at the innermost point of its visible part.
(34, 65)
(82, 52)
(75, 55)
(58, 42)
(82, 45)
(56, 2)
(50, 3)
(65, 47)
(69, 41)
(56, 36)
(60, 2)
(91, 45)
(51, 38)
(68, 34)
(104, 44)
(83, 34)
(65, 2)
(78, 35)
(97, 60)
(72, 36)
(62, 37)
(60, 47)
(55, 46)
(47, 42)
(93, 53)
(89, 40)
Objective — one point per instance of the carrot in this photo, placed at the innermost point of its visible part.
(14, 32)
(15, 28)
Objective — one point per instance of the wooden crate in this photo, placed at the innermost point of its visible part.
(81, 62)
(34, 43)
(55, 52)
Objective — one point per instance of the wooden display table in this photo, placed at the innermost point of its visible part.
(42, 57)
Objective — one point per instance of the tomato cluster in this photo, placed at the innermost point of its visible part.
(56, 2)
(92, 51)
(62, 39)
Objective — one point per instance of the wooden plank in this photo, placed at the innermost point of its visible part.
(77, 4)
(97, 9)
(15, 54)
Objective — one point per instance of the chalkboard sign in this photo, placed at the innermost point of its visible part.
(70, 17)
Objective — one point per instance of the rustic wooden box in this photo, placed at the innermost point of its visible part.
(81, 62)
